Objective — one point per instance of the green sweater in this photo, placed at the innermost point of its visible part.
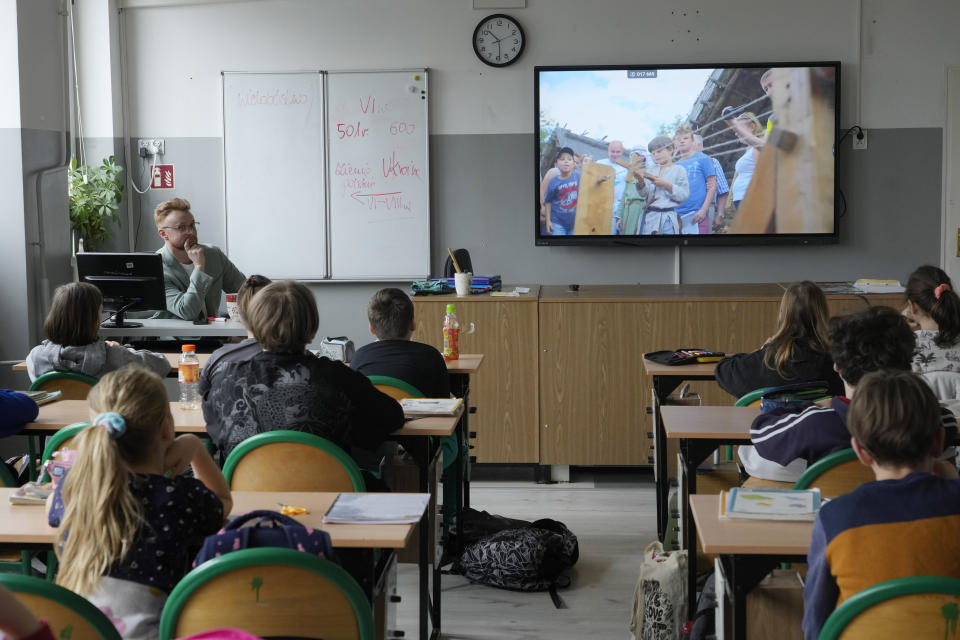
(188, 296)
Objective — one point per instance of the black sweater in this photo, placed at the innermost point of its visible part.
(740, 374)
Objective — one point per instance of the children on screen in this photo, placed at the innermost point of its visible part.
(560, 201)
(127, 516)
(903, 524)
(73, 341)
(664, 191)
(702, 178)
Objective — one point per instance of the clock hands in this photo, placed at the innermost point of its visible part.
(490, 33)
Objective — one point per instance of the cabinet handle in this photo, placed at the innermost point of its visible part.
(546, 426)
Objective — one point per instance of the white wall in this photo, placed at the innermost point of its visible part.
(95, 68)
(41, 48)
(176, 52)
(9, 64)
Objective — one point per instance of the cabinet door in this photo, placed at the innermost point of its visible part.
(504, 390)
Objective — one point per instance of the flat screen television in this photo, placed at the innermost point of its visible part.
(128, 282)
(686, 154)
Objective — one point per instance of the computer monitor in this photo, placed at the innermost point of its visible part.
(128, 282)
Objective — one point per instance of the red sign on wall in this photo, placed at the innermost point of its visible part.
(163, 176)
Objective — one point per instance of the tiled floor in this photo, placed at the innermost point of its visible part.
(613, 515)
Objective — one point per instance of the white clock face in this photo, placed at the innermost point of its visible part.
(498, 40)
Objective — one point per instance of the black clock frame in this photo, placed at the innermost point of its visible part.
(523, 40)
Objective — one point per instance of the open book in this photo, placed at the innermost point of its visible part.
(430, 406)
(31, 493)
(377, 508)
(769, 504)
(42, 397)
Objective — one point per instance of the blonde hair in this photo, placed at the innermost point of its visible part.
(101, 515)
(803, 319)
(167, 207)
(749, 116)
(283, 317)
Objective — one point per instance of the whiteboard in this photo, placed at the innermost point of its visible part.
(274, 173)
(379, 185)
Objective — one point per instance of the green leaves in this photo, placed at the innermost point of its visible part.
(95, 194)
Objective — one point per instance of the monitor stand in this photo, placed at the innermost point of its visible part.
(118, 321)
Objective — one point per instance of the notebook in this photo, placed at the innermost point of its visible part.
(431, 406)
(769, 504)
(42, 397)
(377, 508)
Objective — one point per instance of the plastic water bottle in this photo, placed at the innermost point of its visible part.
(451, 334)
(189, 374)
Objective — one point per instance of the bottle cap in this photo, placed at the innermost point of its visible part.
(451, 308)
(188, 347)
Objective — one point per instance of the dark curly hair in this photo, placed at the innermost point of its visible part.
(945, 309)
(877, 338)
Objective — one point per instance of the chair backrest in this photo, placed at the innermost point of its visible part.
(812, 391)
(751, 399)
(62, 439)
(463, 261)
(269, 592)
(72, 386)
(836, 474)
(914, 607)
(69, 615)
(395, 387)
(291, 461)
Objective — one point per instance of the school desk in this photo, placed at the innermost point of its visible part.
(177, 328)
(699, 431)
(665, 380)
(747, 550)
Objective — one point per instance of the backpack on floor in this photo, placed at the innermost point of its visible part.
(270, 529)
(528, 558)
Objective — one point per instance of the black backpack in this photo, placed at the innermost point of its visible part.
(523, 557)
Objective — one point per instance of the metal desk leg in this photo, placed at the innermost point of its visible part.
(743, 573)
(663, 386)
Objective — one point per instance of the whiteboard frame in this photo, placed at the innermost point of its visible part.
(328, 254)
(323, 156)
(426, 146)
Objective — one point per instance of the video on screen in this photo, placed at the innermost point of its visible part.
(686, 152)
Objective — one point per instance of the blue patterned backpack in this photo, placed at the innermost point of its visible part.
(271, 529)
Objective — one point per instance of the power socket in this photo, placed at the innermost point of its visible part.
(150, 146)
(860, 140)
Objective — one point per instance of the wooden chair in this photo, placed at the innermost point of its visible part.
(269, 592)
(395, 387)
(72, 386)
(69, 615)
(291, 461)
(837, 474)
(914, 607)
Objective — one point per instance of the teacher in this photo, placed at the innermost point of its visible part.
(194, 274)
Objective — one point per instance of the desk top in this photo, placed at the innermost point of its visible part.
(689, 370)
(660, 292)
(708, 422)
(176, 327)
(27, 524)
(59, 414)
(752, 537)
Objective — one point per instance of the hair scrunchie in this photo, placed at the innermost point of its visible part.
(939, 290)
(113, 422)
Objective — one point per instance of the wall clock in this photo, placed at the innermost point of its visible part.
(498, 40)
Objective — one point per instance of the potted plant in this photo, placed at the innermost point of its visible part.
(95, 194)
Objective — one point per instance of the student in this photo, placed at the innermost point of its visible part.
(933, 310)
(798, 351)
(73, 341)
(286, 387)
(194, 274)
(236, 350)
(16, 410)
(560, 200)
(719, 205)
(702, 178)
(127, 516)
(874, 339)
(664, 191)
(394, 354)
(903, 524)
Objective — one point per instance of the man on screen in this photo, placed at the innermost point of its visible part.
(614, 154)
(194, 274)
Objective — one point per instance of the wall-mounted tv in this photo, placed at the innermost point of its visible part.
(686, 154)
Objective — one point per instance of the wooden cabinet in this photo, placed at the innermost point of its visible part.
(505, 389)
(593, 390)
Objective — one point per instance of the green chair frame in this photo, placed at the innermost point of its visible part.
(35, 586)
(57, 439)
(398, 383)
(863, 600)
(180, 595)
(822, 465)
(62, 375)
(298, 437)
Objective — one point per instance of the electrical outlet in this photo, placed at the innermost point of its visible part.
(859, 140)
(153, 146)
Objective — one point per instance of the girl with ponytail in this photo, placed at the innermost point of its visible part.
(933, 311)
(126, 514)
